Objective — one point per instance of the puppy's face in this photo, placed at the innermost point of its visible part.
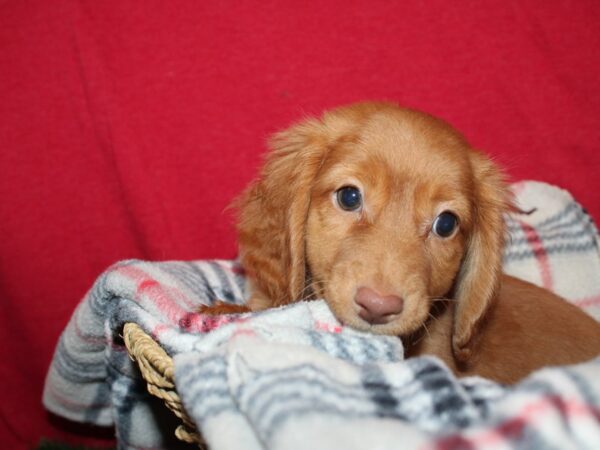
(389, 218)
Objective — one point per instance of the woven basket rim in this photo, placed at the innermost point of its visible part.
(158, 370)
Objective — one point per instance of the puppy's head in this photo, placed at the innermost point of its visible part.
(379, 210)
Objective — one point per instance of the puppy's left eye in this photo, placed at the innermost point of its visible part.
(445, 224)
(349, 198)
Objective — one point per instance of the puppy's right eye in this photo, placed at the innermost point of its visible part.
(349, 198)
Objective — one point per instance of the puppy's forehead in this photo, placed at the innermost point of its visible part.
(409, 139)
(405, 147)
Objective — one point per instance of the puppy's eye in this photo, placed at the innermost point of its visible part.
(349, 198)
(445, 224)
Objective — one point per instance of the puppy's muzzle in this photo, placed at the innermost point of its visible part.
(376, 308)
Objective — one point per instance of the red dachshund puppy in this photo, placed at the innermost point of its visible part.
(391, 217)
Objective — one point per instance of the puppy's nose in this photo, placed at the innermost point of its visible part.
(376, 308)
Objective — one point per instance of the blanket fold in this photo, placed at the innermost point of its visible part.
(293, 377)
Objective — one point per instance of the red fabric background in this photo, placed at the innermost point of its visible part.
(126, 127)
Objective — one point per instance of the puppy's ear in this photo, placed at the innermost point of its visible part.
(479, 276)
(273, 213)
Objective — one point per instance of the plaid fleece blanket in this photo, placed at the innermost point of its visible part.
(294, 378)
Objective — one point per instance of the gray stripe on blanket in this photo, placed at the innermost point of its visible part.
(104, 395)
(529, 438)
(126, 393)
(354, 348)
(524, 434)
(100, 297)
(278, 395)
(103, 295)
(583, 247)
(561, 219)
(238, 278)
(579, 221)
(230, 291)
(571, 235)
(379, 391)
(208, 280)
(274, 397)
(259, 394)
(192, 278)
(211, 397)
(583, 384)
(329, 344)
(78, 370)
(306, 390)
(448, 403)
(554, 220)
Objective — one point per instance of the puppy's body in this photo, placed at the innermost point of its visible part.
(527, 328)
(384, 212)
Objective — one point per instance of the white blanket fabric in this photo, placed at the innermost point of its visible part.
(294, 378)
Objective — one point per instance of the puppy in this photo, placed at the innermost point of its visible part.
(391, 217)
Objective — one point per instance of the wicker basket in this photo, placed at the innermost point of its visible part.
(157, 369)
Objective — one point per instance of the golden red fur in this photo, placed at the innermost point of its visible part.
(383, 267)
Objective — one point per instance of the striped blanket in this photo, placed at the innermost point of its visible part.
(294, 378)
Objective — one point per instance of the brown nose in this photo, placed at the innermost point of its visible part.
(376, 308)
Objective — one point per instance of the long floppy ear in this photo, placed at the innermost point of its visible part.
(273, 213)
(478, 281)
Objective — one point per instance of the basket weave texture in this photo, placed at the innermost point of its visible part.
(158, 372)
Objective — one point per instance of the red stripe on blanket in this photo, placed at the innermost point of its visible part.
(244, 332)
(536, 244)
(329, 327)
(69, 403)
(532, 414)
(166, 300)
(233, 267)
(518, 187)
(158, 330)
(197, 323)
(588, 301)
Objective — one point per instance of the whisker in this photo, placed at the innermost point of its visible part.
(421, 336)
(433, 317)
(310, 289)
(304, 294)
(426, 329)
